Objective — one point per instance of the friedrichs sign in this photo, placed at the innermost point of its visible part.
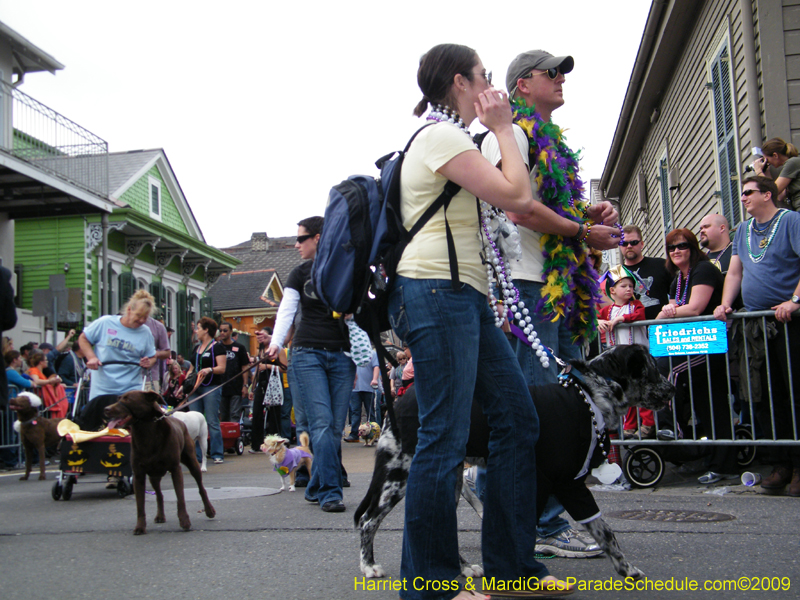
(680, 339)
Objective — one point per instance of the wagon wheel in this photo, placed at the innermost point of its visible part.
(745, 455)
(124, 487)
(67, 493)
(239, 446)
(56, 490)
(644, 467)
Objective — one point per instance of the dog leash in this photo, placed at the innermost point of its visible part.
(265, 360)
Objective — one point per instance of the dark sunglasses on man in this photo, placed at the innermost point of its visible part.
(303, 238)
(627, 243)
(552, 73)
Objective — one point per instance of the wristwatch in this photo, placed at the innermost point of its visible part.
(796, 299)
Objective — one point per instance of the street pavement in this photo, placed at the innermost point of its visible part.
(277, 545)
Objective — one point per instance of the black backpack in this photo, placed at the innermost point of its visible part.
(363, 240)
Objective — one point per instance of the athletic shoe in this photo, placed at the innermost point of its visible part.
(333, 506)
(350, 439)
(251, 451)
(568, 544)
(470, 475)
(218, 461)
(712, 477)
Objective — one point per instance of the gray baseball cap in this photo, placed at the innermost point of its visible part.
(526, 62)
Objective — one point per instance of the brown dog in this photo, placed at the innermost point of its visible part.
(35, 431)
(158, 444)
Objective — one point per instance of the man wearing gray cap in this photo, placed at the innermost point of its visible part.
(561, 220)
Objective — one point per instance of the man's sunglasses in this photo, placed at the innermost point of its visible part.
(748, 192)
(681, 246)
(630, 243)
(551, 73)
(303, 238)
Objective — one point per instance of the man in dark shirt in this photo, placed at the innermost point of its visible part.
(652, 278)
(237, 375)
(715, 237)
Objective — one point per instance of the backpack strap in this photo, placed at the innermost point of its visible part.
(443, 201)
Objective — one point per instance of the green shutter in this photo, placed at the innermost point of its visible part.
(207, 307)
(182, 330)
(159, 293)
(127, 286)
(726, 136)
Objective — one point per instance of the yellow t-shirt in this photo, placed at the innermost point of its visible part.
(426, 256)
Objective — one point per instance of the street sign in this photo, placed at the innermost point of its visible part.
(695, 337)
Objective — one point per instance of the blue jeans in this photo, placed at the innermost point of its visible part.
(459, 353)
(324, 381)
(286, 414)
(357, 400)
(209, 406)
(553, 335)
(300, 419)
(557, 337)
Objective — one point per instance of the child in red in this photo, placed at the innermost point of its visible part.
(625, 309)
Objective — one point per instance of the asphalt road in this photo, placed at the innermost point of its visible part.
(279, 546)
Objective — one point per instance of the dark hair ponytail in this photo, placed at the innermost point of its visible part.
(437, 68)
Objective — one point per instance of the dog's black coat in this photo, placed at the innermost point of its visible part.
(621, 377)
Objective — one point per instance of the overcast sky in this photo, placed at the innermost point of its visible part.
(262, 106)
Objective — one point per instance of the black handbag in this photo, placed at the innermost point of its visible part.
(189, 383)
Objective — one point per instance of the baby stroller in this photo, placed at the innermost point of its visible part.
(108, 455)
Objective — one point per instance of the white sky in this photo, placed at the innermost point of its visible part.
(262, 106)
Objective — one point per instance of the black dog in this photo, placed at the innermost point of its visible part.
(621, 377)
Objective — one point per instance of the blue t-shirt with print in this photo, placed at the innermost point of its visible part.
(364, 375)
(113, 341)
(774, 278)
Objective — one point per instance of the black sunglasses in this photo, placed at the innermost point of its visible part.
(552, 73)
(630, 243)
(681, 246)
(303, 238)
(748, 192)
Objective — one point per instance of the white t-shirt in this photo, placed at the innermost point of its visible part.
(531, 264)
(426, 256)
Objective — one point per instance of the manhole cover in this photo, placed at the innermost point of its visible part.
(671, 516)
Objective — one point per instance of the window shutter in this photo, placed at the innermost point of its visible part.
(207, 307)
(159, 293)
(127, 286)
(726, 136)
(666, 203)
(183, 323)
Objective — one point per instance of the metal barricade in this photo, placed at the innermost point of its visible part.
(759, 392)
(9, 440)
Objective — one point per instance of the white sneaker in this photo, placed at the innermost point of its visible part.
(569, 544)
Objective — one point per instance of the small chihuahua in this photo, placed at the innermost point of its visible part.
(285, 460)
(369, 432)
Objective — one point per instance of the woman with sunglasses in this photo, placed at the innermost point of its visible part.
(320, 372)
(695, 291)
(458, 352)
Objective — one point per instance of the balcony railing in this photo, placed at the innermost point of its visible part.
(52, 142)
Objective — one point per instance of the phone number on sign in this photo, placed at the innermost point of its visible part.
(685, 347)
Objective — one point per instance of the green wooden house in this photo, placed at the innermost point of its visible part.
(154, 242)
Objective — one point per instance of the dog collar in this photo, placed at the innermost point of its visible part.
(29, 421)
(598, 423)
